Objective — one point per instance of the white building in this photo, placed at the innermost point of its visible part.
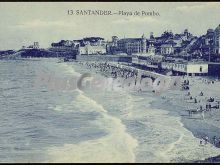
(88, 49)
(167, 65)
(167, 49)
(36, 45)
(189, 68)
(197, 68)
(151, 49)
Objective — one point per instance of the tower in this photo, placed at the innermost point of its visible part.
(151, 49)
(143, 44)
(36, 45)
(151, 35)
(114, 40)
(186, 33)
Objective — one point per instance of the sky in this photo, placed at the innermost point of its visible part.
(23, 23)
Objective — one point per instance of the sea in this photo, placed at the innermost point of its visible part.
(43, 124)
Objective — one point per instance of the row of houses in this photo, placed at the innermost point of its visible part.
(168, 44)
(154, 45)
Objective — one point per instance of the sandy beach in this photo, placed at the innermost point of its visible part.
(176, 103)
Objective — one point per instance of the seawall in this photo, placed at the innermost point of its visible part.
(103, 58)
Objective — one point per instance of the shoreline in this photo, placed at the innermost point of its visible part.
(196, 125)
(187, 123)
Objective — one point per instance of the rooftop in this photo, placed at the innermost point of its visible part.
(130, 39)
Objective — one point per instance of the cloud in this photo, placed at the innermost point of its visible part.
(44, 24)
(198, 7)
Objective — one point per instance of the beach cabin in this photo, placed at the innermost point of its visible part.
(197, 69)
(191, 68)
(186, 68)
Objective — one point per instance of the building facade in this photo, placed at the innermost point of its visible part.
(167, 49)
(36, 45)
(128, 45)
(186, 68)
(217, 40)
(151, 49)
(91, 50)
(92, 45)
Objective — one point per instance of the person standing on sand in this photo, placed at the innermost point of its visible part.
(188, 94)
(214, 140)
(206, 139)
(203, 114)
(201, 93)
(200, 107)
(210, 107)
(207, 106)
(195, 100)
(200, 142)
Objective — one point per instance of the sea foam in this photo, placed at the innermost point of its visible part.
(117, 146)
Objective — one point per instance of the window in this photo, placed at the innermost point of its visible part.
(200, 69)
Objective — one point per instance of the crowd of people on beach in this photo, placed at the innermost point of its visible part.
(210, 103)
(111, 70)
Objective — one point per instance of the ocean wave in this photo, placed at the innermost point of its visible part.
(117, 146)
